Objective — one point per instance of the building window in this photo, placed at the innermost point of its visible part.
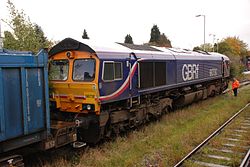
(112, 71)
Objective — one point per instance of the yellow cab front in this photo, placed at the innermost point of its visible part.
(73, 79)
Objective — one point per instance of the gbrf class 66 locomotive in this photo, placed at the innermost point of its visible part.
(109, 90)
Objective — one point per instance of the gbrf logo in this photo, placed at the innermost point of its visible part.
(190, 72)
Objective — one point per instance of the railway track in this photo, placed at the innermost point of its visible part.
(228, 146)
(62, 152)
(246, 160)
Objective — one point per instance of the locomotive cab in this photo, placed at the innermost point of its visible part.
(74, 80)
(74, 95)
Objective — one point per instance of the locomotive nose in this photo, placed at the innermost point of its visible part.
(74, 81)
(75, 97)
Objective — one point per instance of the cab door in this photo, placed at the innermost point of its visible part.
(133, 79)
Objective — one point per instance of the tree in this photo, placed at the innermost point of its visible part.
(208, 47)
(9, 41)
(85, 35)
(40, 34)
(26, 36)
(164, 41)
(196, 48)
(236, 50)
(233, 46)
(128, 39)
(155, 34)
(215, 47)
(158, 39)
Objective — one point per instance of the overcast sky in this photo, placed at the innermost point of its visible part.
(111, 20)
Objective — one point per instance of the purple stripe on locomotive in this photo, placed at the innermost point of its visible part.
(119, 89)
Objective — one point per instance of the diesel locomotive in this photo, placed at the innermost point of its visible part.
(107, 90)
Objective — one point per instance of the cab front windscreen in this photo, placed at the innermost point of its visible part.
(84, 70)
(59, 70)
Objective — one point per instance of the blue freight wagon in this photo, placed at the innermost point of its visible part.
(24, 104)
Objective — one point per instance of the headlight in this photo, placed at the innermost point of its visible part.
(89, 107)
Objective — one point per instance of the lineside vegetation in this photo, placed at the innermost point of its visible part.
(161, 143)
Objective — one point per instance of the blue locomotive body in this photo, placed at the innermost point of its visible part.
(113, 88)
(144, 72)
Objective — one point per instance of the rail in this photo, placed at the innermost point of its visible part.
(210, 137)
(246, 160)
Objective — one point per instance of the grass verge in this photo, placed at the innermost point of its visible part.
(165, 142)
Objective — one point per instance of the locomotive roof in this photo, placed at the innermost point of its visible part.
(122, 51)
(140, 47)
(69, 44)
(221, 55)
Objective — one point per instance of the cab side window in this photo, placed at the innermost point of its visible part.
(112, 71)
